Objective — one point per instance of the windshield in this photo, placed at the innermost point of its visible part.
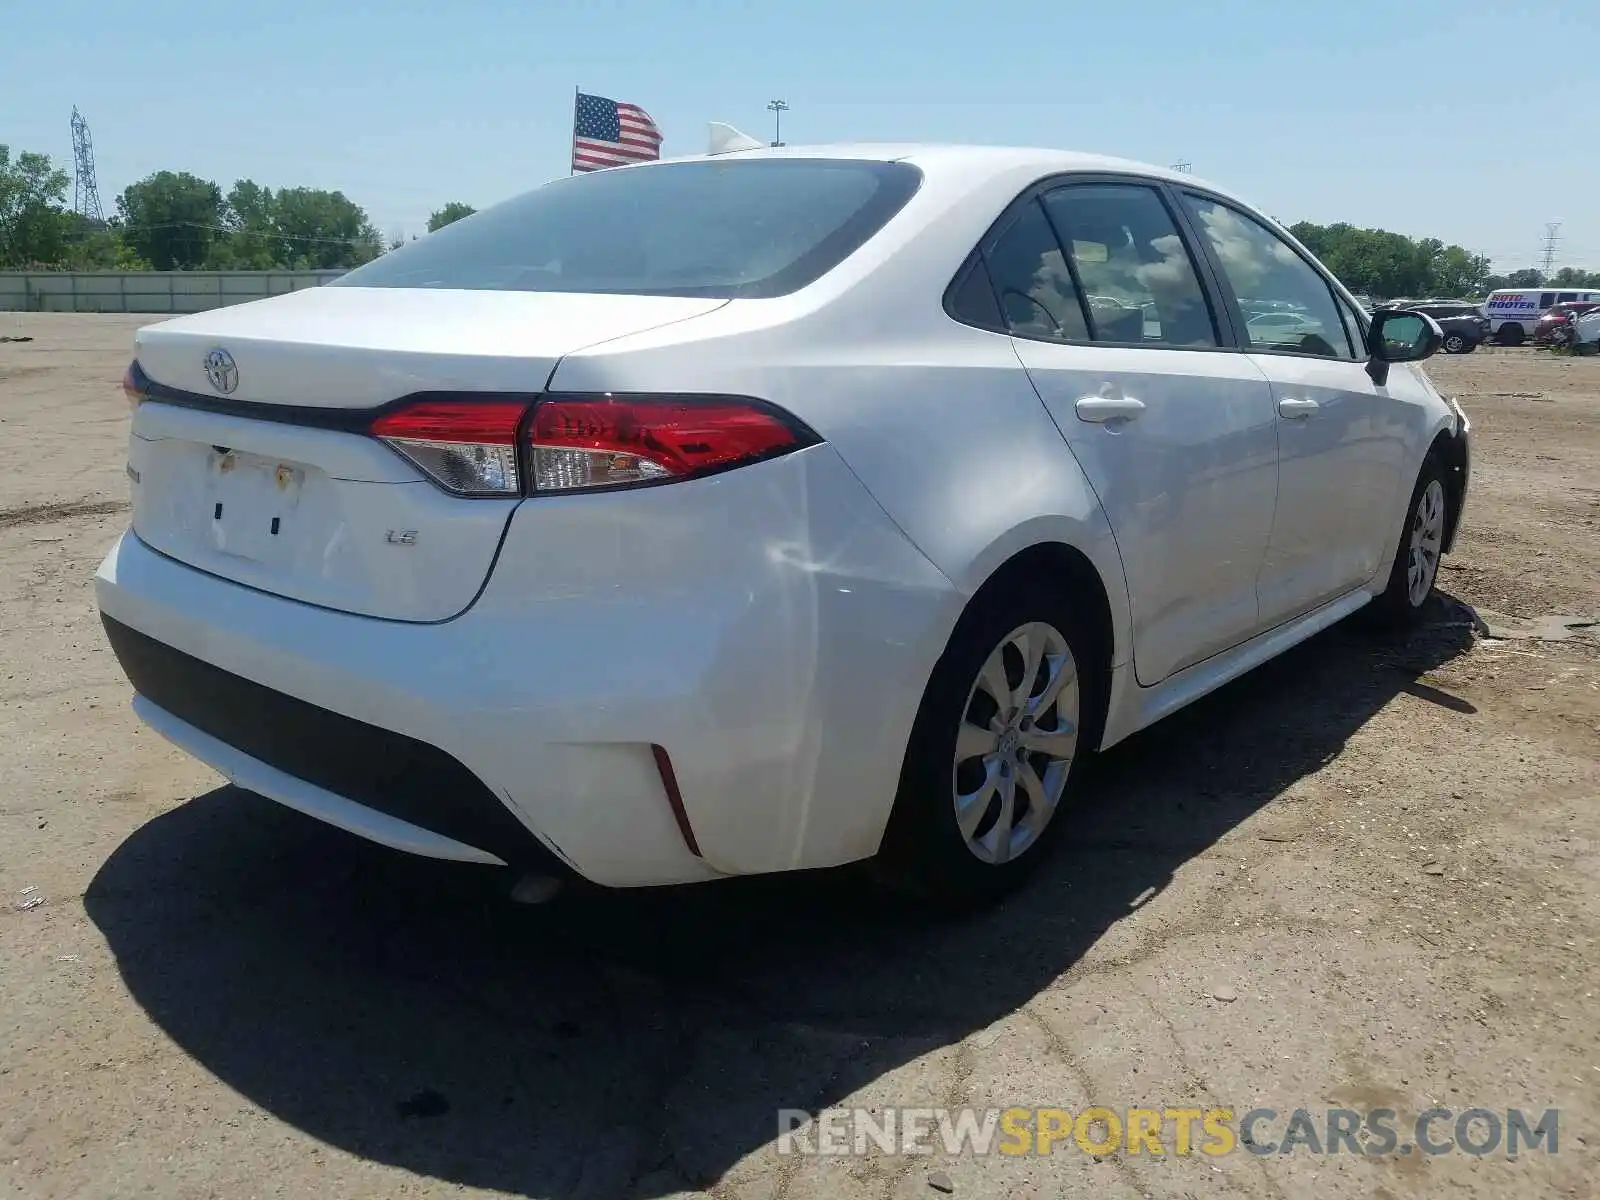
(722, 230)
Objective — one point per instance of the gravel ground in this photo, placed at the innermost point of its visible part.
(1365, 876)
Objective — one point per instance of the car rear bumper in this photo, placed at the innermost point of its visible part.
(769, 630)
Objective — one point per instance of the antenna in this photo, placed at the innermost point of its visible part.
(86, 191)
(777, 108)
(1182, 166)
(1552, 239)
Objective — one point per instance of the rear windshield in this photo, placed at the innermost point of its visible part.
(723, 230)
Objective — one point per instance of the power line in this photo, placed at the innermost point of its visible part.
(265, 234)
(777, 108)
(1552, 239)
(86, 188)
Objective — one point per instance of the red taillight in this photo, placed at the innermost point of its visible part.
(133, 388)
(468, 447)
(610, 441)
(573, 443)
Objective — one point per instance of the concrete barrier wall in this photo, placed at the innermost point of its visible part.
(146, 291)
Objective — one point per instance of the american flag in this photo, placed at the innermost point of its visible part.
(606, 133)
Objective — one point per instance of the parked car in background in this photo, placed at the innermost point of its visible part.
(744, 514)
(1554, 327)
(1513, 312)
(1464, 326)
(1281, 327)
(1586, 332)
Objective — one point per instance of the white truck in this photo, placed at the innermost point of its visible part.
(1513, 312)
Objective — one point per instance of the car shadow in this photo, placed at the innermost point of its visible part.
(634, 1043)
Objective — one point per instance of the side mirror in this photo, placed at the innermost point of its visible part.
(1398, 335)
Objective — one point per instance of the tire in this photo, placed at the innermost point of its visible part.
(966, 744)
(1454, 343)
(1560, 336)
(1403, 600)
(1511, 334)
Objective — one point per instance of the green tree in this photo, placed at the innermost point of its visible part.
(324, 229)
(1379, 262)
(251, 242)
(98, 246)
(33, 218)
(1458, 272)
(1575, 277)
(171, 219)
(453, 211)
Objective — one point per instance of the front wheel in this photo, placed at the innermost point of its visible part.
(1011, 706)
(1454, 343)
(1416, 560)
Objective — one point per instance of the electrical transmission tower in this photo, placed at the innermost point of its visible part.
(1183, 165)
(86, 192)
(1552, 239)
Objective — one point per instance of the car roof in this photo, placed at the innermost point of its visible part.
(943, 156)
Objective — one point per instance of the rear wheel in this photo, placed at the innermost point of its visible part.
(1012, 704)
(1510, 334)
(1560, 336)
(1454, 343)
(1416, 561)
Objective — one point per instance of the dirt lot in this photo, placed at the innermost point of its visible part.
(1366, 876)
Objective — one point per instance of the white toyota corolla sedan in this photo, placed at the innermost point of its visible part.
(765, 511)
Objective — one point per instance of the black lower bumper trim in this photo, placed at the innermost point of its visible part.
(378, 768)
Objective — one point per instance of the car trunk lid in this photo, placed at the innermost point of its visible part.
(250, 458)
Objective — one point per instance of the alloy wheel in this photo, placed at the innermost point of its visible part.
(1427, 535)
(1016, 742)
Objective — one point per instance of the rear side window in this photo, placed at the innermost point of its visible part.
(1032, 282)
(1141, 285)
(1566, 297)
(731, 229)
(1546, 299)
(972, 299)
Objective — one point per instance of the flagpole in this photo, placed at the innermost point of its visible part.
(572, 159)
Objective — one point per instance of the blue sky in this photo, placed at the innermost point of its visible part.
(1430, 119)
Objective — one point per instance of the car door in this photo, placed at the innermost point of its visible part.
(1342, 440)
(1175, 433)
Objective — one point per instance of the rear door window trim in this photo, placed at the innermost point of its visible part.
(1204, 272)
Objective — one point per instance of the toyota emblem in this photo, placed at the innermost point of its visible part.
(222, 371)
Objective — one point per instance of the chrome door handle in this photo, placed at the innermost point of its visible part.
(1297, 410)
(1101, 409)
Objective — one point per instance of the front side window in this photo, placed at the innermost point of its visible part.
(1287, 306)
(1136, 273)
(1032, 282)
(1546, 299)
(731, 229)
